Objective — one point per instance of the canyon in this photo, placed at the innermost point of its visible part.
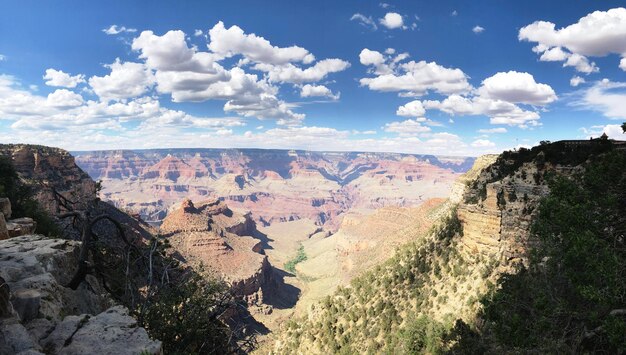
(274, 185)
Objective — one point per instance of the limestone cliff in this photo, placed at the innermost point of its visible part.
(38, 315)
(47, 169)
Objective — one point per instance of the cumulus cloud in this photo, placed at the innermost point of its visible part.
(478, 29)
(498, 98)
(64, 98)
(365, 21)
(188, 74)
(290, 73)
(59, 78)
(232, 41)
(483, 143)
(517, 87)
(412, 78)
(392, 20)
(411, 109)
(125, 80)
(498, 111)
(576, 80)
(309, 90)
(3, 57)
(406, 128)
(597, 34)
(66, 111)
(114, 30)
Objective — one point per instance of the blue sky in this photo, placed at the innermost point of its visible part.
(446, 77)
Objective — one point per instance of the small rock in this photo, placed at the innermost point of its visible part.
(27, 304)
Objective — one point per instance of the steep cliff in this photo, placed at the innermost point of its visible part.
(275, 185)
(410, 303)
(210, 234)
(46, 170)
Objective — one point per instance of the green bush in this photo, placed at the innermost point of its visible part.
(300, 257)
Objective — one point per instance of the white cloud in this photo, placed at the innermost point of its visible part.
(576, 80)
(516, 87)
(188, 74)
(59, 78)
(289, 73)
(493, 130)
(365, 21)
(499, 112)
(597, 34)
(3, 58)
(412, 78)
(454, 13)
(606, 97)
(198, 33)
(483, 143)
(64, 98)
(478, 29)
(411, 109)
(613, 131)
(406, 128)
(114, 30)
(392, 20)
(233, 41)
(317, 91)
(126, 80)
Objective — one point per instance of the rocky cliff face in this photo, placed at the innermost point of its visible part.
(211, 234)
(275, 185)
(46, 169)
(38, 315)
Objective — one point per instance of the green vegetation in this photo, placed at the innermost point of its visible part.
(300, 257)
(572, 296)
(23, 203)
(391, 308)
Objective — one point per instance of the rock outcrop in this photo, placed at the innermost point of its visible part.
(46, 170)
(10, 228)
(39, 315)
(211, 234)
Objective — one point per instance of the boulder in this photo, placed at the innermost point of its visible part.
(38, 314)
(21, 226)
(5, 207)
(110, 332)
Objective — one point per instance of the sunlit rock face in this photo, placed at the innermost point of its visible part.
(210, 234)
(275, 185)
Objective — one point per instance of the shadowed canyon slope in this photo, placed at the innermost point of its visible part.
(275, 185)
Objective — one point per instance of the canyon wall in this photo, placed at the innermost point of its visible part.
(275, 185)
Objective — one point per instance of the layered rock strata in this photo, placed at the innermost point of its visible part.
(208, 233)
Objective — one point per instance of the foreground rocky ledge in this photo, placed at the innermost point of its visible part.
(39, 315)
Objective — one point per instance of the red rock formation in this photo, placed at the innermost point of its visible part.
(211, 234)
(274, 185)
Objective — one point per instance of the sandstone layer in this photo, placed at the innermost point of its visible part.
(275, 185)
(212, 235)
